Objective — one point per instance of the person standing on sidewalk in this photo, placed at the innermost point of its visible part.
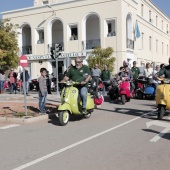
(42, 90)
(96, 72)
(13, 80)
(105, 76)
(2, 80)
(135, 71)
(27, 77)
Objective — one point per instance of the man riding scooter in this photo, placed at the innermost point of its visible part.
(162, 92)
(76, 73)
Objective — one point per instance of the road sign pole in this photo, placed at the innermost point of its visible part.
(57, 75)
(25, 100)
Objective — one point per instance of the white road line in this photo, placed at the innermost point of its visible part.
(160, 135)
(8, 126)
(75, 144)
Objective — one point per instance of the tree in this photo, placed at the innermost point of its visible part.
(102, 57)
(8, 45)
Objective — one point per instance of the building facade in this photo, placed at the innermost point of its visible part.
(135, 29)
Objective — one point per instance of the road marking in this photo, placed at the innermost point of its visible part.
(160, 135)
(76, 144)
(8, 126)
(161, 124)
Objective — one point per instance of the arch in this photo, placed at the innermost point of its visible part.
(129, 32)
(50, 32)
(25, 38)
(91, 30)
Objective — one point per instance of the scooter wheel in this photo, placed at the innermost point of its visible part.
(87, 116)
(123, 98)
(161, 112)
(64, 118)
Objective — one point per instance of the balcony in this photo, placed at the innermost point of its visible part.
(26, 50)
(130, 44)
(91, 44)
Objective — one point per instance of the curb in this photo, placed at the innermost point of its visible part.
(24, 120)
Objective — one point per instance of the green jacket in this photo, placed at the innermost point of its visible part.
(165, 70)
(105, 75)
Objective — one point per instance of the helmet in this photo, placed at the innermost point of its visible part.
(98, 101)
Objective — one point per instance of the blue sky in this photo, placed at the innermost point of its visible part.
(7, 5)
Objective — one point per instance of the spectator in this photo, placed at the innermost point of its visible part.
(155, 79)
(48, 79)
(96, 73)
(135, 71)
(27, 77)
(148, 71)
(42, 90)
(12, 81)
(105, 76)
(2, 80)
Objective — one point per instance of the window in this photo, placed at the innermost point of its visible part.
(40, 36)
(162, 25)
(150, 43)
(156, 20)
(167, 50)
(111, 28)
(73, 32)
(45, 2)
(150, 16)
(142, 10)
(162, 48)
(167, 29)
(156, 45)
(142, 40)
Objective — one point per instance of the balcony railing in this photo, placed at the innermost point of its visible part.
(130, 44)
(26, 50)
(91, 44)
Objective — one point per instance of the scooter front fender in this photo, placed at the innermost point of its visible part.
(163, 102)
(65, 106)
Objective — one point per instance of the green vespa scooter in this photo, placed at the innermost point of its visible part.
(71, 103)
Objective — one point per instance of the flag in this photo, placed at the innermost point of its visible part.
(137, 31)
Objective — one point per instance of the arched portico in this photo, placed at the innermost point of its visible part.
(91, 31)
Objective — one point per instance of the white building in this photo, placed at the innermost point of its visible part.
(81, 25)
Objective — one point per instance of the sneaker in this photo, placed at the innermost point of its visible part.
(84, 111)
(42, 112)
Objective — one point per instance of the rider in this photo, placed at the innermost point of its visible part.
(165, 71)
(128, 73)
(76, 73)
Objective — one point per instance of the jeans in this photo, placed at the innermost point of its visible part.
(83, 95)
(42, 101)
(26, 86)
(96, 79)
(12, 87)
(1, 85)
(135, 81)
(155, 85)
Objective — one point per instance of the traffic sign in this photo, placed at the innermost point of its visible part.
(23, 61)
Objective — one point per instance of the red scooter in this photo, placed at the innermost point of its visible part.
(124, 90)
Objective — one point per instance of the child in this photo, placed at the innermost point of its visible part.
(42, 90)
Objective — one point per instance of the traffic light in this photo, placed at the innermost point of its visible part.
(58, 48)
(52, 50)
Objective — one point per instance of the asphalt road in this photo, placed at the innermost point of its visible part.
(116, 137)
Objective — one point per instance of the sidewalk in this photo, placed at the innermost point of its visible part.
(14, 103)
